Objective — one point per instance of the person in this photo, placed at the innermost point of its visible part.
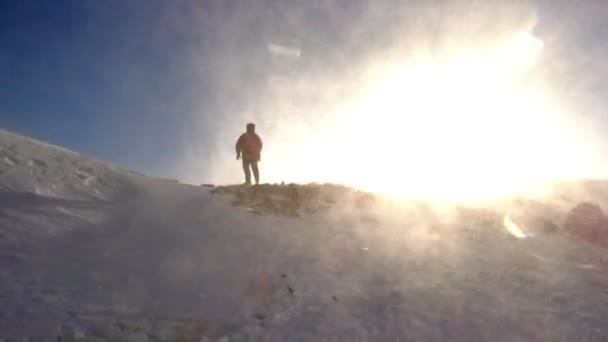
(249, 146)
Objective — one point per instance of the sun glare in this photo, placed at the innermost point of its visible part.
(463, 128)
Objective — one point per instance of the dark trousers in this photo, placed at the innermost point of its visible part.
(253, 164)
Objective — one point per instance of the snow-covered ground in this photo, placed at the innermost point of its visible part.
(90, 252)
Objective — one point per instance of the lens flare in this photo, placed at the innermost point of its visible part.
(512, 227)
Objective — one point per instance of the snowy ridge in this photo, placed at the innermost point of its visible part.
(31, 166)
(89, 252)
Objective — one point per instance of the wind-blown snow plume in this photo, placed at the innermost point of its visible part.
(170, 262)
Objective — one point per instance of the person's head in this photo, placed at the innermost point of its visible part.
(250, 128)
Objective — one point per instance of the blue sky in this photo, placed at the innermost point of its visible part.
(99, 77)
(139, 82)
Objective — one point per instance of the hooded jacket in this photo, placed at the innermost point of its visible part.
(249, 145)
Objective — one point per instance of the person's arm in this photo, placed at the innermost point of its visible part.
(260, 145)
(239, 147)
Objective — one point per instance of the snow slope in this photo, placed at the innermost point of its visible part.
(91, 252)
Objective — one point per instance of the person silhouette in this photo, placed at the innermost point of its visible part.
(249, 145)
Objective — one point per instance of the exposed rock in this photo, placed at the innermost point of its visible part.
(293, 200)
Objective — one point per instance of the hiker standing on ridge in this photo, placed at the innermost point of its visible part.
(250, 144)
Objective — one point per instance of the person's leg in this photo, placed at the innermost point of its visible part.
(256, 172)
(247, 171)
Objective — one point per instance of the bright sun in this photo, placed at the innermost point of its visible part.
(462, 128)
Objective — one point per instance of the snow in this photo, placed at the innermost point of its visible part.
(89, 250)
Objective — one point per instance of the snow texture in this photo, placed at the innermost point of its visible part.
(90, 252)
